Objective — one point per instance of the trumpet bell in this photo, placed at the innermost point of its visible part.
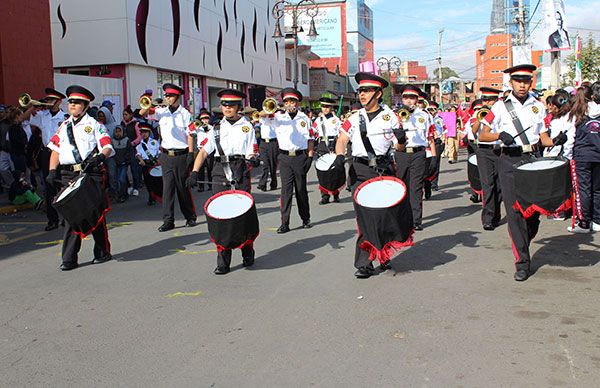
(404, 114)
(145, 102)
(481, 113)
(256, 116)
(269, 106)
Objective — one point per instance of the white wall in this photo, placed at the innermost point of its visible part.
(104, 32)
(302, 60)
(103, 88)
(139, 78)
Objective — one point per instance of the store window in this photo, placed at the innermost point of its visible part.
(304, 74)
(288, 69)
(163, 77)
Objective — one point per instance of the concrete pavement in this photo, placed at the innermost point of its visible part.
(448, 314)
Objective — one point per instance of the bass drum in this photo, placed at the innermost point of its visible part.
(384, 217)
(542, 185)
(232, 219)
(331, 181)
(154, 182)
(473, 175)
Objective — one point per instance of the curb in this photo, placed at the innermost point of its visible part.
(7, 209)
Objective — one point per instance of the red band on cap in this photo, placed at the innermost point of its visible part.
(172, 91)
(290, 95)
(410, 93)
(370, 82)
(54, 96)
(79, 96)
(230, 97)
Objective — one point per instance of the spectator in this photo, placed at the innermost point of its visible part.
(105, 117)
(17, 139)
(21, 192)
(586, 159)
(132, 132)
(122, 159)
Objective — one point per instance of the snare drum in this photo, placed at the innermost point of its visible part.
(154, 182)
(331, 180)
(232, 219)
(473, 175)
(542, 185)
(384, 217)
(83, 203)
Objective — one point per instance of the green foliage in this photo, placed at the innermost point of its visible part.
(590, 63)
(446, 73)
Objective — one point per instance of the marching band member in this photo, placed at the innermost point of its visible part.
(233, 143)
(268, 152)
(520, 137)
(295, 138)
(205, 174)
(147, 155)
(471, 130)
(438, 123)
(326, 128)
(48, 120)
(410, 163)
(488, 154)
(177, 157)
(371, 131)
(72, 146)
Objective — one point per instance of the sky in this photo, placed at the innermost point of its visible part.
(411, 33)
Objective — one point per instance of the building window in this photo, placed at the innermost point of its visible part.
(497, 71)
(163, 77)
(85, 71)
(495, 85)
(288, 69)
(304, 74)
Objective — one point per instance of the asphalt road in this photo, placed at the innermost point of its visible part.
(448, 314)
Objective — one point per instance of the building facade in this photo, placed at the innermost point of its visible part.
(492, 60)
(202, 46)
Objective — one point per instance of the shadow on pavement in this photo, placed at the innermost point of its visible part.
(450, 214)
(570, 250)
(163, 248)
(427, 254)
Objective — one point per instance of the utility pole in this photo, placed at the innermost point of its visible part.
(439, 58)
(521, 19)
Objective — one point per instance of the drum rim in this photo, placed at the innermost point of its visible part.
(541, 159)
(322, 156)
(226, 192)
(381, 178)
(473, 155)
(57, 198)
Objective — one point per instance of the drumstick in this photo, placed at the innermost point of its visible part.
(523, 131)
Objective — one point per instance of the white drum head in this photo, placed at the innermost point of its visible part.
(428, 153)
(70, 188)
(473, 159)
(383, 193)
(324, 162)
(540, 165)
(156, 172)
(229, 205)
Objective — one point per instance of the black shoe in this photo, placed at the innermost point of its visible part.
(488, 227)
(261, 187)
(521, 275)
(165, 227)
(363, 273)
(427, 193)
(51, 226)
(249, 262)
(385, 266)
(349, 189)
(418, 227)
(324, 201)
(99, 260)
(306, 224)
(221, 271)
(191, 223)
(272, 188)
(336, 198)
(475, 198)
(283, 229)
(68, 266)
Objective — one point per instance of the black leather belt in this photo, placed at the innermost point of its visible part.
(489, 146)
(71, 167)
(174, 151)
(412, 150)
(228, 158)
(292, 153)
(270, 140)
(519, 150)
(378, 161)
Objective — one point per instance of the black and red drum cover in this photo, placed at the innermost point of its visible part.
(473, 175)
(331, 180)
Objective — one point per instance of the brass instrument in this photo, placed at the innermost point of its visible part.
(25, 100)
(145, 102)
(425, 104)
(404, 114)
(481, 113)
(255, 116)
(198, 124)
(269, 106)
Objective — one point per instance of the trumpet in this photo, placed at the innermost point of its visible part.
(404, 114)
(198, 124)
(255, 116)
(25, 99)
(481, 113)
(145, 102)
(425, 105)
(269, 106)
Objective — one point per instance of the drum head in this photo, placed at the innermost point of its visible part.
(324, 162)
(382, 192)
(156, 172)
(545, 164)
(71, 187)
(473, 159)
(229, 204)
(428, 152)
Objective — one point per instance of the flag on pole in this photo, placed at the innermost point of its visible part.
(578, 61)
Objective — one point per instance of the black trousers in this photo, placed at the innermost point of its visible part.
(521, 230)
(268, 156)
(293, 179)
(439, 147)
(488, 165)
(364, 173)
(175, 172)
(50, 192)
(242, 173)
(411, 169)
(72, 241)
(587, 191)
(205, 173)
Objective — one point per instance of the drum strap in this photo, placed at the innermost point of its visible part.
(147, 151)
(516, 122)
(226, 166)
(71, 139)
(323, 127)
(362, 125)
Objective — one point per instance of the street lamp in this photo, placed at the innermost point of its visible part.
(393, 62)
(284, 6)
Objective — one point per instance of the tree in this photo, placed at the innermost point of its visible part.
(590, 63)
(387, 92)
(446, 73)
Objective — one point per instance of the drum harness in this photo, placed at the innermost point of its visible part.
(328, 139)
(224, 159)
(79, 162)
(372, 158)
(151, 158)
(526, 147)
